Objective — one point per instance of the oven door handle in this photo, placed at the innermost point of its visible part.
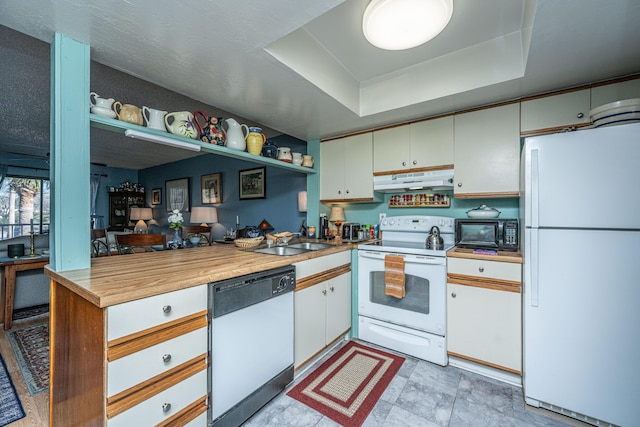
(414, 259)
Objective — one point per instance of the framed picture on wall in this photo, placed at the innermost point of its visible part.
(156, 196)
(211, 188)
(253, 183)
(177, 194)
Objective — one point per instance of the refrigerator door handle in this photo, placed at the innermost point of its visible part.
(535, 200)
(533, 259)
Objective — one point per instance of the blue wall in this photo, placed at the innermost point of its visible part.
(111, 177)
(279, 208)
(368, 213)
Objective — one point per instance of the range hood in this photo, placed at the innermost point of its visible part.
(414, 181)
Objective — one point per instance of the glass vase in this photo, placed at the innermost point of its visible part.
(176, 242)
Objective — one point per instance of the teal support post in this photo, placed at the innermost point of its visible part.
(313, 184)
(70, 160)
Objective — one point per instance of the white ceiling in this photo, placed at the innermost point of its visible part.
(303, 67)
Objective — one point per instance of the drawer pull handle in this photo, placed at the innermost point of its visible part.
(453, 294)
(481, 269)
(166, 407)
(166, 358)
(166, 309)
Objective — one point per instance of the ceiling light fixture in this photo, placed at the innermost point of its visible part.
(161, 140)
(403, 24)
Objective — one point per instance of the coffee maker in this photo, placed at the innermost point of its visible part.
(323, 228)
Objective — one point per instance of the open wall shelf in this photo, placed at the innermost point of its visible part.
(118, 126)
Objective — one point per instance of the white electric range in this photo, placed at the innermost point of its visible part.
(416, 323)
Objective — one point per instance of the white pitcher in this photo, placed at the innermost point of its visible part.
(154, 119)
(236, 135)
(102, 106)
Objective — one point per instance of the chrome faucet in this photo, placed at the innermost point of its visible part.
(281, 241)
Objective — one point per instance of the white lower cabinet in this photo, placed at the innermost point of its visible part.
(484, 314)
(156, 409)
(484, 325)
(322, 305)
(156, 366)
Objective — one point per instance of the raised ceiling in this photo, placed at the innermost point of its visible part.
(304, 68)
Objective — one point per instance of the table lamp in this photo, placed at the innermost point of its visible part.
(204, 216)
(142, 215)
(265, 226)
(338, 218)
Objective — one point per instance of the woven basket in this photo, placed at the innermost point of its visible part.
(250, 242)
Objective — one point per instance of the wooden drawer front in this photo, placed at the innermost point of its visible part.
(485, 269)
(151, 411)
(127, 318)
(128, 371)
(317, 265)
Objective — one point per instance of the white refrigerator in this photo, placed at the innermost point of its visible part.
(580, 211)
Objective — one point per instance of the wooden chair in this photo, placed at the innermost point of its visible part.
(135, 243)
(197, 230)
(100, 243)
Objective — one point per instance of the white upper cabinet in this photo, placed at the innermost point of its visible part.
(346, 169)
(423, 145)
(391, 149)
(487, 152)
(554, 112)
(601, 95)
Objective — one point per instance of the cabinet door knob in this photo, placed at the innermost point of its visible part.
(324, 292)
(459, 184)
(166, 309)
(481, 269)
(166, 358)
(415, 162)
(453, 294)
(331, 288)
(580, 115)
(339, 191)
(404, 163)
(166, 407)
(347, 191)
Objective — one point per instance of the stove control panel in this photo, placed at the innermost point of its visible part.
(420, 223)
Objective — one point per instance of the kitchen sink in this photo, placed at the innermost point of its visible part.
(310, 246)
(281, 250)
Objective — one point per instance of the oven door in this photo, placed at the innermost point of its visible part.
(423, 307)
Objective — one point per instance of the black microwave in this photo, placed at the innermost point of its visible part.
(487, 233)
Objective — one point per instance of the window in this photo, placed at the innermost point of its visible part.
(23, 199)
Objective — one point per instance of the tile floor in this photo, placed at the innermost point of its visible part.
(425, 394)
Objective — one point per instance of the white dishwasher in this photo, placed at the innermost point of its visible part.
(250, 343)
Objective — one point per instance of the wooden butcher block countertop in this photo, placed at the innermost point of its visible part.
(502, 256)
(118, 279)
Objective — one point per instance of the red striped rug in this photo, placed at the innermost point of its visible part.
(347, 386)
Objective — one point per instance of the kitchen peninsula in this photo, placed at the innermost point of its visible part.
(107, 319)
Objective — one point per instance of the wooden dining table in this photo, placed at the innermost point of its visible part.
(9, 267)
